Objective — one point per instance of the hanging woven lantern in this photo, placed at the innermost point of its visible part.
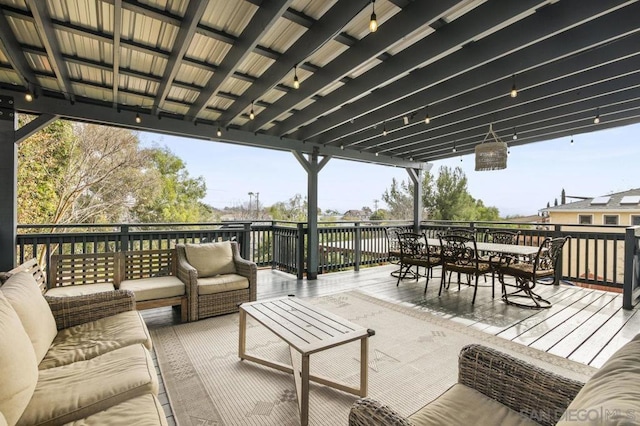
(491, 154)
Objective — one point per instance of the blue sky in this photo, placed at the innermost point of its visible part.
(597, 163)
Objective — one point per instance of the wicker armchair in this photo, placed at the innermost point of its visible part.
(219, 294)
(526, 390)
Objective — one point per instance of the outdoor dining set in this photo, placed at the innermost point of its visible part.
(498, 254)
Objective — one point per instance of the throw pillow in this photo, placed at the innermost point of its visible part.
(211, 259)
(22, 291)
(18, 366)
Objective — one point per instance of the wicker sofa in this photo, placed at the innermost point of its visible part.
(149, 274)
(217, 277)
(80, 359)
(497, 389)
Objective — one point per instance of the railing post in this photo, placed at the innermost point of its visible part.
(124, 238)
(560, 266)
(631, 268)
(300, 252)
(245, 250)
(273, 245)
(357, 247)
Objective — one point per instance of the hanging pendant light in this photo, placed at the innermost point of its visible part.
(515, 134)
(296, 82)
(138, 118)
(514, 90)
(384, 129)
(219, 132)
(596, 120)
(454, 147)
(251, 114)
(373, 23)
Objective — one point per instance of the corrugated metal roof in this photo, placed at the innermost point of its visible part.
(206, 61)
(601, 203)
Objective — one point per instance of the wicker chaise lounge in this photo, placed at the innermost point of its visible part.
(498, 389)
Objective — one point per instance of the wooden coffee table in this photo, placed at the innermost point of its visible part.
(307, 329)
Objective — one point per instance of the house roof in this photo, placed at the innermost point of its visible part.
(192, 67)
(626, 200)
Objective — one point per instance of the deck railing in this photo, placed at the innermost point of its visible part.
(595, 254)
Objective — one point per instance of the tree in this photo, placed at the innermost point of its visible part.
(176, 196)
(79, 173)
(446, 198)
(294, 210)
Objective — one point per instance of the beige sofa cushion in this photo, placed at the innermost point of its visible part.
(18, 365)
(211, 259)
(3, 421)
(143, 410)
(154, 288)
(461, 405)
(89, 340)
(79, 290)
(78, 390)
(34, 312)
(222, 283)
(612, 395)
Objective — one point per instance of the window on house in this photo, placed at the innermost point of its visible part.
(585, 219)
(635, 220)
(610, 219)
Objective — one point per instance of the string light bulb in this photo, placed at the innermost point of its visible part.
(454, 147)
(373, 22)
(515, 134)
(28, 97)
(384, 130)
(427, 119)
(138, 118)
(251, 113)
(596, 120)
(377, 154)
(296, 82)
(219, 132)
(514, 90)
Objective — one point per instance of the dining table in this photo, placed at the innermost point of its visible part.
(517, 251)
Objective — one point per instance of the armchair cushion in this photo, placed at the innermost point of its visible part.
(211, 259)
(222, 283)
(22, 291)
(18, 365)
(612, 395)
(462, 405)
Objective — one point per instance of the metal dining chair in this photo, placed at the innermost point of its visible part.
(415, 251)
(528, 274)
(460, 254)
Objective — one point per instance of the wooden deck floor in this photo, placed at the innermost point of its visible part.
(583, 325)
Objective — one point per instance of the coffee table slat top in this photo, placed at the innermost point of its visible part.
(305, 327)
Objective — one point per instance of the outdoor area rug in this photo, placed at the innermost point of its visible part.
(412, 359)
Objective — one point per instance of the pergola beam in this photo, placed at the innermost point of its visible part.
(323, 30)
(261, 22)
(473, 60)
(486, 102)
(193, 14)
(44, 26)
(15, 55)
(104, 114)
(117, 30)
(414, 16)
(34, 126)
